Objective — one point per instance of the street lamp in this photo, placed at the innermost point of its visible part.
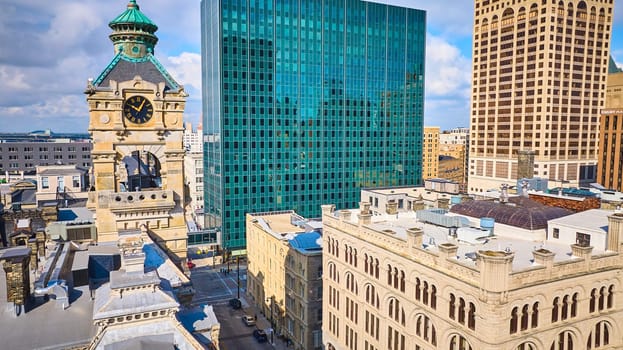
(238, 263)
(272, 323)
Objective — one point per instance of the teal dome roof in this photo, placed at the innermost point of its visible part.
(133, 33)
(132, 15)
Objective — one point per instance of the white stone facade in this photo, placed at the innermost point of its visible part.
(385, 289)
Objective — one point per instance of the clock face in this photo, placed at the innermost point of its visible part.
(138, 109)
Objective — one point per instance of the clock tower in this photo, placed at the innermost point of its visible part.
(135, 120)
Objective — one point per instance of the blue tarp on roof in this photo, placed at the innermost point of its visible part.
(307, 242)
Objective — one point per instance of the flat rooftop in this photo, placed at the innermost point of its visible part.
(47, 326)
(436, 235)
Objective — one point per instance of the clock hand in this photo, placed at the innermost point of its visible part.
(134, 108)
(141, 106)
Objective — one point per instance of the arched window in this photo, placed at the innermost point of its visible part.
(600, 336)
(535, 315)
(376, 268)
(452, 307)
(396, 312)
(424, 329)
(355, 257)
(471, 317)
(564, 341)
(402, 281)
(141, 170)
(461, 311)
(351, 283)
(565, 307)
(593, 301)
(574, 305)
(610, 296)
(555, 309)
(396, 278)
(389, 275)
(347, 253)
(365, 265)
(524, 317)
(526, 346)
(372, 297)
(458, 342)
(425, 294)
(602, 297)
(433, 296)
(514, 319)
(417, 289)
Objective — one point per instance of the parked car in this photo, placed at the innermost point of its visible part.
(260, 336)
(235, 303)
(248, 320)
(190, 264)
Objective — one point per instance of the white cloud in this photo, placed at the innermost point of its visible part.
(448, 83)
(13, 78)
(186, 69)
(447, 70)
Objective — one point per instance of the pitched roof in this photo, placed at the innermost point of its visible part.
(123, 68)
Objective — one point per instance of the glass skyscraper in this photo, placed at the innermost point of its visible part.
(306, 102)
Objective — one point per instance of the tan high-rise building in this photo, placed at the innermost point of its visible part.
(136, 121)
(539, 81)
(391, 283)
(610, 167)
(430, 152)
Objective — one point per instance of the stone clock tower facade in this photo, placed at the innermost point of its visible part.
(136, 110)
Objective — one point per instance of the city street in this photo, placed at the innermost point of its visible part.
(216, 288)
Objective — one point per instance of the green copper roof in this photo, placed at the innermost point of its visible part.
(133, 15)
(612, 67)
(123, 68)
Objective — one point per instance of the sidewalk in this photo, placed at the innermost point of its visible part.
(262, 323)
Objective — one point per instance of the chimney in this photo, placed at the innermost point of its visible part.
(524, 188)
(615, 231)
(364, 207)
(418, 204)
(495, 268)
(365, 217)
(414, 237)
(327, 209)
(443, 203)
(392, 207)
(504, 193)
(345, 214)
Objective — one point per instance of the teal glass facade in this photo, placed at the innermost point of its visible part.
(306, 102)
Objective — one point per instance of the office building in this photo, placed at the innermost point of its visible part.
(610, 167)
(23, 156)
(539, 81)
(455, 136)
(392, 282)
(430, 152)
(305, 103)
(193, 171)
(284, 274)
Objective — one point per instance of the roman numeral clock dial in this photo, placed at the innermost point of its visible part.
(138, 110)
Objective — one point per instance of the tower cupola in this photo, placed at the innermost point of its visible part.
(133, 32)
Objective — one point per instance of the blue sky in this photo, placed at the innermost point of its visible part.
(48, 50)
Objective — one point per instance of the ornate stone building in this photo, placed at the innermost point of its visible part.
(136, 110)
(391, 282)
